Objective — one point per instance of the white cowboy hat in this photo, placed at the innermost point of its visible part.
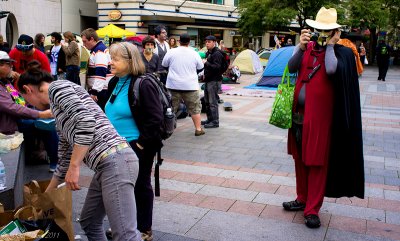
(325, 19)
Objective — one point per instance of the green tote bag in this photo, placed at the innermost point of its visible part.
(281, 115)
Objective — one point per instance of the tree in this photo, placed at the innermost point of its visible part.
(375, 15)
(258, 16)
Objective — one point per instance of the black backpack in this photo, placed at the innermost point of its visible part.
(169, 123)
(225, 63)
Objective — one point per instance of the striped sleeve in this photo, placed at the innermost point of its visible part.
(101, 62)
(64, 157)
(80, 121)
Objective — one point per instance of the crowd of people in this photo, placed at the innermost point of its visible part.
(103, 126)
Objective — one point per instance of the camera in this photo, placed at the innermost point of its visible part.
(314, 36)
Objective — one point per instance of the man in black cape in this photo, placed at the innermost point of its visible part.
(346, 163)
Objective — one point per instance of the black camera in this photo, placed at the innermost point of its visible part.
(314, 36)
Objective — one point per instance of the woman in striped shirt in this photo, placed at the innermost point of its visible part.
(86, 135)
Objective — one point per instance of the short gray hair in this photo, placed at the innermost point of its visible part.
(129, 52)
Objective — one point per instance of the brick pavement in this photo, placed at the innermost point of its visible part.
(229, 184)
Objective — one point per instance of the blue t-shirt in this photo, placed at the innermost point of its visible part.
(119, 112)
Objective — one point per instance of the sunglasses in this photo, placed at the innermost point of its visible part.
(24, 47)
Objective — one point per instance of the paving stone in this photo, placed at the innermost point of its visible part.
(167, 195)
(383, 172)
(238, 184)
(353, 211)
(190, 199)
(263, 187)
(247, 208)
(191, 169)
(287, 181)
(175, 218)
(374, 179)
(374, 158)
(217, 203)
(245, 176)
(393, 217)
(381, 229)
(210, 180)
(286, 191)
(221, 226)
(174, 237)
(180, 186)
(230, 193)
(275, 212)
(392, 195)
(392, 181)
(268, 166)
(272, 199)
(353, 201)
(339, 235)
(353, 225)
(374, 192)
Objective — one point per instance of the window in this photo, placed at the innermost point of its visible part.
(236, 3)
(219, 2)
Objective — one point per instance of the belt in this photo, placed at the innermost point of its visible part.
(113, 150)
(298, 118)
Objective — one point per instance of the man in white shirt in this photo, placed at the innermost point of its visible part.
(183, 64)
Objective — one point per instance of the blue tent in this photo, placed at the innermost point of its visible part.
(277, 62)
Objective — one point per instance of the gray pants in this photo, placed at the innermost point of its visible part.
(112, 193)
(211, 100)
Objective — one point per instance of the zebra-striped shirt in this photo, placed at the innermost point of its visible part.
(80, 121)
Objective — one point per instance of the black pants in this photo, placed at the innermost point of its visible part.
(73, 74)
(143, 190)
(383, 65)
(211, 99)
(102, 99)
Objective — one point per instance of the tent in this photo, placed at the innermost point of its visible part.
(248, 62)
(113, 31)
(277, 62)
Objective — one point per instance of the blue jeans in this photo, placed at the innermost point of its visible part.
(211, 99)
(112, 193)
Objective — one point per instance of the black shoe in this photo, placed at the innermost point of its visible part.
(383, 79)
(312, 221)
(109, 234)
(204, 122)
(211, 125)
(293, 205)
(220, 101)
(379, 78)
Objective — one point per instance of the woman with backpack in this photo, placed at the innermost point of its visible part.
(139, 124)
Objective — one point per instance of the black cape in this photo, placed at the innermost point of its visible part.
(346, 162)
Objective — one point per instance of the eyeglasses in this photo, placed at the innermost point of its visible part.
(24, 47)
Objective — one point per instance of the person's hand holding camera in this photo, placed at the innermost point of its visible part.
(335, 37)
(304, 38)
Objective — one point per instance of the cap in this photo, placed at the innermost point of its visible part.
(25, 42)
(184, 38)
(4, 57)
(212, 38)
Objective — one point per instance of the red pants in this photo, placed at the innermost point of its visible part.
(310, 186)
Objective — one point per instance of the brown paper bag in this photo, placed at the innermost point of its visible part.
(55, 204)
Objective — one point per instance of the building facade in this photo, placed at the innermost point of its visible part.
(197, 18)
(45, 16)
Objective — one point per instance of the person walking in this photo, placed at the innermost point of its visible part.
(382, 57)
(86, 135)
(72, 56)
(183, 65)
(325, 139)
(57, 57)
(150, 59)
(363, 53)
(138, 124)
(98, 73)
(39, 42)
(161, 49)
(212, 76)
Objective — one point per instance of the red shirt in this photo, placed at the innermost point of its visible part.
(21, 61)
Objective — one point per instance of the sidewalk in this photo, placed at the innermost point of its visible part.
(230, 183)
